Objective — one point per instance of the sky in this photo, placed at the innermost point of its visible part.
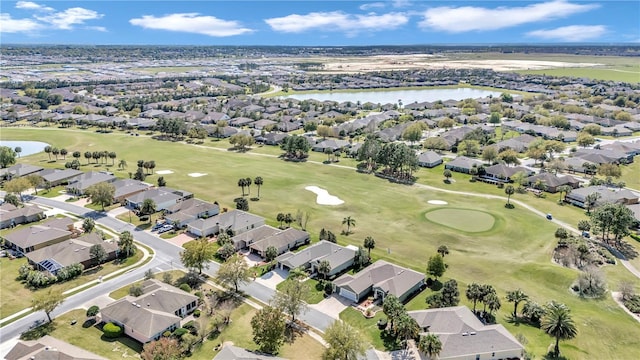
(319, 23)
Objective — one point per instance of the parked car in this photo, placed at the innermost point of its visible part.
(157, 226)
(165, 228)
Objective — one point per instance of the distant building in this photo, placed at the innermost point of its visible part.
(49, 348)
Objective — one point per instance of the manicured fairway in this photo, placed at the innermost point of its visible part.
(514, 253)
(462, 219)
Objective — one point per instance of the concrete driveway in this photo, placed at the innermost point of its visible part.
(181, 239)
(332, 306)
(273, 278)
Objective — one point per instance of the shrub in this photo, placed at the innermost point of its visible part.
(135, 290)
(633, 304)
(93, 311)
(166, 333)
(191, 326)
(179, 332)
(196, 313)
(112, 330)
(185, 287)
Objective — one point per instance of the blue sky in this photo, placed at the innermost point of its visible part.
(319, 23)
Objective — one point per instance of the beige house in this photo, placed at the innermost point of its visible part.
(160, 308)
(38, 236)
(49, 348)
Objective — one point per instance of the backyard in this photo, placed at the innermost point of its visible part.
(514, 253)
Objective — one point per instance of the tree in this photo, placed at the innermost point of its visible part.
(489, 154)
(509, 190)
(148, 207)
(435, 143)
(369, 244)
(493, 302)
(350, 222)
(290, 299)
(125, 243)
(345, 342)
(258, 181)
(469, 147)
(77, 155)
(268, 329)
(197, 254)
(510, 157)
(48, 149)
(234, 271)
(87, 155)
(591, 200)
(474, 293)
(93, 311)
(98, 254)
(64, 153)
(393, 308)
(436, 266)
(122, 164)
(7, 156)
(271, 253)
(557, 322)
(443, 250)
(88, 224)
(584, 225)
(609, 170)
(101, 193)
(36, 181)
(47, 301)
(430, 344)
(17, 186)
(162, 349)
(447, 175)
(55, 151)
(407, 328)
(612, 219)
(17, 149)
(162, 182)
(12, 199)
(242, 183)
(533, 311)
(585, 139)
(242, 204)
(450, 293)
(241, 141)
(324, 268)
(413, 132)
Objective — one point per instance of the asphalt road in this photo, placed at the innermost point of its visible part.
(166, 258)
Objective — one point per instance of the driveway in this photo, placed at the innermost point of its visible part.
(332, 306)
(273, 278)
(181, 239)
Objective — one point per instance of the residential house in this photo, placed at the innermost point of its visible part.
(160, 308)
(381, 278)
(79, 184)
(628, 148)
(74, 251)
(230, 352)
(186, 211)
(48, 348)
(19, 170)
(283, 241)
(604, 156)
(462, 164)
(128, 187)
(340, 258)
(11, 216)
(162, 197)
(271, 138)
(38, 236)
(503, 173)
(55, 177)
(552, 182)
(429, 159)
(331, 144)
(243, 240)
(463, 336)
(578, 196)
(234, 221)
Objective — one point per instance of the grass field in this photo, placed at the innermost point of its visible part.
(515, 253)
(629, 75)
(461, 219)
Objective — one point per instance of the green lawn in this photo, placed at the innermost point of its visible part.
(53, 192)
(89, 338)
(15, 296)
(462, 219)
(630, 175)
(515, 253)
(629, 75)
(368, 328)
(124, 291)
(316, 292)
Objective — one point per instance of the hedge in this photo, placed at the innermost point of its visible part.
(112, 330)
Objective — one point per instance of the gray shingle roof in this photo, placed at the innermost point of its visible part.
(322, 250)
(392, 278)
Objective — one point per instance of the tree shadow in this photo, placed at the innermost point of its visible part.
(390, 341)
(88, 323)
(551, 356)
(38, 332)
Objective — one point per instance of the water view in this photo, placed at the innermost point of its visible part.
(393, 96)
(28, 147)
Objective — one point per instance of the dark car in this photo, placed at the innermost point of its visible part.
(549, 217)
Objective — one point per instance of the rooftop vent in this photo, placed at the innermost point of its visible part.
(465, 334)
(148, 304)
(134, 304)
(137, 305)
(472, 333)
(153, 294)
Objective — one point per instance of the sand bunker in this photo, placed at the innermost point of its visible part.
(196, 174)
(323, 196)
(437, 202)
(164, 172)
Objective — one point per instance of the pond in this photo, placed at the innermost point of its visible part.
(394, 96)
(28, 147)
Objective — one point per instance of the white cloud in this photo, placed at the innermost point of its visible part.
(369, 6)
(401, 3)
(66, 19)
(337, 21)
(29, 5)
(471, 18)
(572, 33)
(192, 23)
(10, 25)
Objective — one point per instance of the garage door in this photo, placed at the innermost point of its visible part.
(348, 294)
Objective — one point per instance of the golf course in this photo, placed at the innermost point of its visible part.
(488, 243)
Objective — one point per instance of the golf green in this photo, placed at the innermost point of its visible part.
(462, 219)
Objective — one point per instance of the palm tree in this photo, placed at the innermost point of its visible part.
(112, 156)
(443, 250)
(557, 322)
(64, 153)
(349, 221)
(258, 181)
(122, 164)
(247, 182)
(407, 328)
(88, 156)
(280, 218)
(152, 166)
(242, 183)
(18, 150)
(324, 268)
(369, 244)
(125, 243)
(509, 190)
(566, 189)
(148, 207)
(48, 149)
(516, 297)
(474, 293)
(430, 344)
(55, 151)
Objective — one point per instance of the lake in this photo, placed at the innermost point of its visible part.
(28, 147)
(392, 96)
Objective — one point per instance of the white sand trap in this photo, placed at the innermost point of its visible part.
(196, 174)
(164, 172)
(323, 196)
(437, 202)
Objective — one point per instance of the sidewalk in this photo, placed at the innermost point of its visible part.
(145, 256)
